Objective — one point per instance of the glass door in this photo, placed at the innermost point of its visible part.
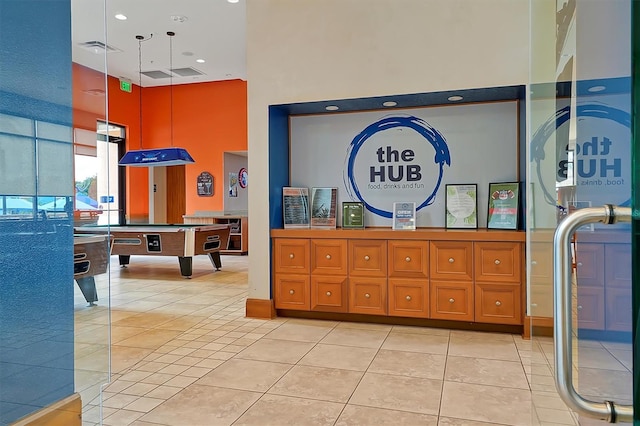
(580, 169)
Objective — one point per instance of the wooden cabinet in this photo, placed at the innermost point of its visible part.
(238, 224)
(329, 292)
(408, 284)
(603, 281)
(471, 276)
(498, 282)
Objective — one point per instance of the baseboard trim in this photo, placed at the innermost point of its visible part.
(65, 412)
(260, 308)
(541, 326)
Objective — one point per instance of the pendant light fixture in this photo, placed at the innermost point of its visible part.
(171, 156)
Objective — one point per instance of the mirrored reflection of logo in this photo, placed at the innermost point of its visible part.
(399, 157)
(600, 165)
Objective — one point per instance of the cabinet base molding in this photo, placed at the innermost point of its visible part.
(66, 412)
(390, 320)
(260, 308)
(542, 326)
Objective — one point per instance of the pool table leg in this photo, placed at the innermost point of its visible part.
(88, 288)
(215, 259)
(124, 260)
(186, 266)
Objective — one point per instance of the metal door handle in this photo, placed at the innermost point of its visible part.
(607, 410)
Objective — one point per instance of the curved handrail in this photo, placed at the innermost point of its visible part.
(607, 410)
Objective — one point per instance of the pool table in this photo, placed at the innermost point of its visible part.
(90, 258)
(183, 241)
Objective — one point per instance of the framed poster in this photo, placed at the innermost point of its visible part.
(243, 178)
(205, 184)
(353, 215)
(504, 205)
(404, 216)
(295, 207)
(324, 207)
(461, 206)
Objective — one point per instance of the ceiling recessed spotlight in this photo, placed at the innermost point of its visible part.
(121, 17)
(187, 53)
(233, 1)
(455, 98)
(389, 103)
(331, 108)
(200, 61)
(594, 89)
(179, 18)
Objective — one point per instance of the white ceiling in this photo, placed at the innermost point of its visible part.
(214, 30)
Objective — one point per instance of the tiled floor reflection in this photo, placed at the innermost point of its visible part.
(183, 354)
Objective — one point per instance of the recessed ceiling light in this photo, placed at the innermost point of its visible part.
(187, 53)
(331, 108)
(200, 61)
(389, 103)
(179, 18)
(455, 98)
(121, 17)
(594, 89)
(233, 1)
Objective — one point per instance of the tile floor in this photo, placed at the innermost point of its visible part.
(183, 353)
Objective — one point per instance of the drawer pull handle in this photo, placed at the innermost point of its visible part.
(579, 263)
(291, 256)
(292, 291)
(533, 262)
(451, 260)
(579, 307)
(497, 261)
(328, 293)
(328, 257)
(367, 295)
(498, 303)
(408, 259)
(408, 298)
(452, 300)
(367, 257)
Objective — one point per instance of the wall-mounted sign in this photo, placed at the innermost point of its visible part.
(243, 178)
(205, 184)
(233, 184)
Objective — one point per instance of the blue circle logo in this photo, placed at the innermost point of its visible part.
(398, 163)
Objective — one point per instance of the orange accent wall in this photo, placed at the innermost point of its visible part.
(208, 119)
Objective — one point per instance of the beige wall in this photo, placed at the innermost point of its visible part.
(309, 50)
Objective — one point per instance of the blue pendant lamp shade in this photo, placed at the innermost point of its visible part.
(156, 157)
(171, 156)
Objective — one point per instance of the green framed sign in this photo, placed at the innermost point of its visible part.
(504, 205)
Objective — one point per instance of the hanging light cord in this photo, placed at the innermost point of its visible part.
(140, 40)
(171, 34)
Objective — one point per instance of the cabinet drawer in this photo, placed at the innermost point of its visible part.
(590, 308)
(451, 260)
(329, 257)
(617, 258)
(590, 264)
(408, 259)
(541, 265)
(329, 293)
(408, 297)
(451, 300)
(291, 256)
(291, 292)
(368, 258)
(498, 262)
(498, 303)
(618, 314)
(368, 295)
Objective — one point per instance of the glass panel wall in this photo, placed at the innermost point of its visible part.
(579, 111)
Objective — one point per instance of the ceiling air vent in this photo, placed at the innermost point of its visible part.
(98, 46)
(186, 72)
(156, 74)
